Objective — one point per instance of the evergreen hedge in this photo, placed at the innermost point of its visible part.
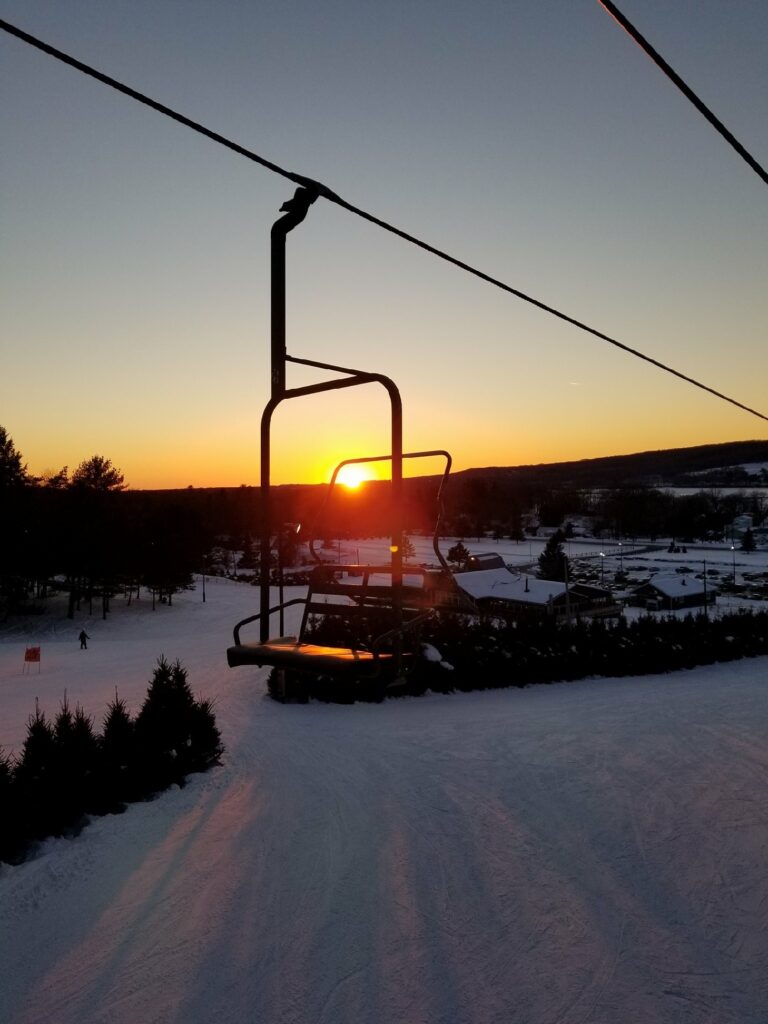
(67, 771)
(489, 652)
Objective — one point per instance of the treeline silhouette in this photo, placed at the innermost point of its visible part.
(87, 534)
(490, 652)
(96, 544)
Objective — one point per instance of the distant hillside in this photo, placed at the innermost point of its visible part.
(485, 495)
(669, 467)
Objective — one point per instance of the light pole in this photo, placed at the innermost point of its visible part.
(602, 567)
(733, 549)
(621, 557)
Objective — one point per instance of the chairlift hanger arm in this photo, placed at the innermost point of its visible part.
(438, 452)
(270, 611)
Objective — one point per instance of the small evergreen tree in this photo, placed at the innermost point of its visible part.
(748, 541)
(205, 746)
(118, 755)
(11, 835)
(76, 752)
(553, 563)
(174, 734)
(162, 727)
(458, 554)
(35, 776)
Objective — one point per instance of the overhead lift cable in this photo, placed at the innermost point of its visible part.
(685, 89)
(322, 190)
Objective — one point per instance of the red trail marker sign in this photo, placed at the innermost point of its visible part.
(31, 655)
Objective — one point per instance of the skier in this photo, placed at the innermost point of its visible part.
(83, 637)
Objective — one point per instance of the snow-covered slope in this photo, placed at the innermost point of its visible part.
(591, 852)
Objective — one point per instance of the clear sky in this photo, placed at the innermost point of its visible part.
(534, 140)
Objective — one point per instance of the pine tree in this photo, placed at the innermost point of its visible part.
(13, 473)
(205, 748)
(118, 755)
(76, 752)
(553, 563)
(11, 834)
(35, 776)
(458, 554)
(163, 728)
(748, 541)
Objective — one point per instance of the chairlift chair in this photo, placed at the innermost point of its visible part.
(403, 602)
(354, 594)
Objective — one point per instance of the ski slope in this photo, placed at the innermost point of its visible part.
(589, 852)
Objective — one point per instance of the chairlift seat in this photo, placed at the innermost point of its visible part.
(289, 653)
(329, 586)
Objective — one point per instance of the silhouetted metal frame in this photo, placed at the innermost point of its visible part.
(364, 459)
(295, 211)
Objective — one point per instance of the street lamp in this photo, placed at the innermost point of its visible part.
(602, 567)
(733, 549)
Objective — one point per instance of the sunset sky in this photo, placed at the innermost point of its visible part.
(533, 140)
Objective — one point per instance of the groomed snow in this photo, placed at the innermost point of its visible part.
(590, 852)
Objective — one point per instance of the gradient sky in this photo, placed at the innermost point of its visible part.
(534, 140)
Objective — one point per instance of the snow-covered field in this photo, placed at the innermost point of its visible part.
(590, 852)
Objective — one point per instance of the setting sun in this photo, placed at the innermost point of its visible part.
(354, 475)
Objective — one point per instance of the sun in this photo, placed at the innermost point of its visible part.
(353, 475)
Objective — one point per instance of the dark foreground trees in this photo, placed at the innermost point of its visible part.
(66, 770)
(489, 652)
(95, 543)
(13, 473)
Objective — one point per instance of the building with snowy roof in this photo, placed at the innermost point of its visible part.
(666, 592)
(501, 590)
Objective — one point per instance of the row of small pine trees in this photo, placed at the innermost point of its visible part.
(66, 770)
(489, 652)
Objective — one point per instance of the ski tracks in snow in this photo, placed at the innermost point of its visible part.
(580, 854)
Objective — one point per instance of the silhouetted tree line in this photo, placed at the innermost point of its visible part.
(66, 770)
(634, 512)
(99, 542)
(86, 533)
(647, 512)
(94, 544)
(98, 538)
(490, 653)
